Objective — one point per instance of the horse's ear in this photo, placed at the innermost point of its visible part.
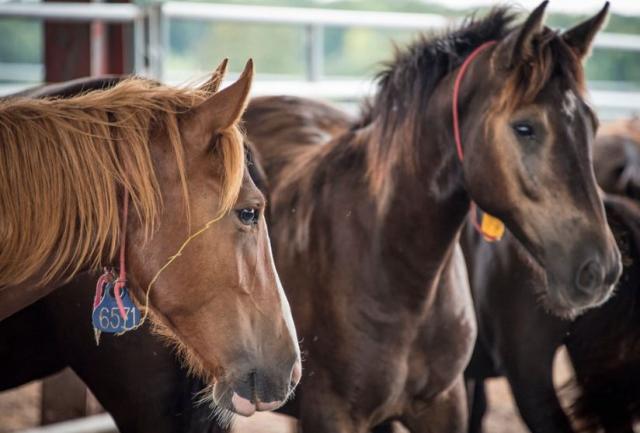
(580, 37)
(222, 109)
(213, 83)
(518, 46)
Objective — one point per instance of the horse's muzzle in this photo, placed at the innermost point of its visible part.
(260, 391)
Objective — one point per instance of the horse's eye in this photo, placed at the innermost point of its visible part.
(248, 216)
(524, 130)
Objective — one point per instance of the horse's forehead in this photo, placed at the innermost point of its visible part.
(569, 104)
(572, 108)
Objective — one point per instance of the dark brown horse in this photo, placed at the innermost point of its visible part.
(518, 337)
(220, 301)
(365, 223)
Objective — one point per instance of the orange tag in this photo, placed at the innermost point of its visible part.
(492, 228)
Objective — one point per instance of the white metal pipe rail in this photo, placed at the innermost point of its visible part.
(316, 19)
(83, 12)
(302, 16)
(259, 14)
(151, 46)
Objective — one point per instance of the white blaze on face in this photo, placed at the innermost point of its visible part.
(284, 302)
(569, 104)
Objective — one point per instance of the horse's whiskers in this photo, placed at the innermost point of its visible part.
(223, 417)
(204, 396)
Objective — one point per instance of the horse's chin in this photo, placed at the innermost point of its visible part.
(219, 409)
(228, 403)
(562, 311)
(549, 294)
(555, 302)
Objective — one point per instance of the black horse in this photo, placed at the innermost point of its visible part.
(134, 376)
(518, 336)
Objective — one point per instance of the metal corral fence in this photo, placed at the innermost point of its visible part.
(151, 39)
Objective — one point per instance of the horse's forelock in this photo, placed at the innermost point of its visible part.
(550, 58)
(230, 144)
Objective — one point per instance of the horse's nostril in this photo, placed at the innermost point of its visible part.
(590, 276)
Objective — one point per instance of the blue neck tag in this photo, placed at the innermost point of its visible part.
(106, 315)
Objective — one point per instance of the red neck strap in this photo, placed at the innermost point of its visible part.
(456, 124)
(121, 281)
(456, 92)
(122, 277)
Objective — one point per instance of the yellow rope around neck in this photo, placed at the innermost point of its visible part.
(171, 259)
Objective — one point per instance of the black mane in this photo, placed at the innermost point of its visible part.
(417, 69)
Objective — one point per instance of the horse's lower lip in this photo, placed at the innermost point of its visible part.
(269, 406)
(554, 306)
(242, 406)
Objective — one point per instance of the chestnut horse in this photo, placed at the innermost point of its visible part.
(366, 222)
(44, 338)
(178, 155)
(617, 151)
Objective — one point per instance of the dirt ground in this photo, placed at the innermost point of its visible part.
(19, 409)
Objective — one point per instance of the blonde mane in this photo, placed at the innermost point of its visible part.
(64, 164)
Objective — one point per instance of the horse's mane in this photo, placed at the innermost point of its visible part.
(64, 164)
(407, 82)
(303, 163)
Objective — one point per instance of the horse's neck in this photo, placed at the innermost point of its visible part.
(427, 208)
(15, 298)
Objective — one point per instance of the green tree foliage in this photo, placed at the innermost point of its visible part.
(20, 41)
(276, 49)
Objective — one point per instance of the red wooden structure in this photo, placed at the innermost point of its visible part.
(74, 50)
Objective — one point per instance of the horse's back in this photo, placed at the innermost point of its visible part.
(70, 88)
(283, 127)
